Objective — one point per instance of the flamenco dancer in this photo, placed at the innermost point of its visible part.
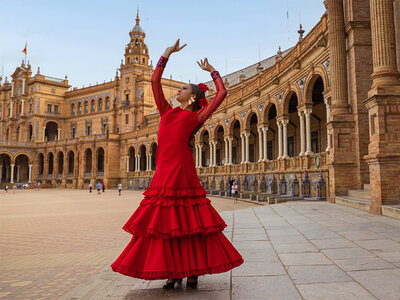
(176, 232)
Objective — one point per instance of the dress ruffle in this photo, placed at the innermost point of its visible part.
(177, 258)
(163, 219)
(161, 192)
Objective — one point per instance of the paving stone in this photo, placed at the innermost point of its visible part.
(270, 287)
(290, 239)
(333, 243)
(292, 248)
(384, 284)
(344, 253)
(244, 245)
(259, 269)
(297, 259)
(389, 256)
(337, 291)
(366, 263)
(359, 235)
(379, 245)
(317, 274)
(250, 237)
(268, 255)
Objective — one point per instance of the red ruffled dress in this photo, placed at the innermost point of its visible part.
(176, 232)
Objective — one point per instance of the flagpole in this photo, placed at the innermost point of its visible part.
(26, 43)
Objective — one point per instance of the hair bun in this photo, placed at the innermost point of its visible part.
(203, 87)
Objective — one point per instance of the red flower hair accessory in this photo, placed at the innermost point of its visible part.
(203, 102)
(203, 87)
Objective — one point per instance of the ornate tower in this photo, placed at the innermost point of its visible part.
(135, 78)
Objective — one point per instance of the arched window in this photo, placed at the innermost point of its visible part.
(93, 109)
(86, 107)
(79, 108)
(108, 103)
(73, 109)
(100, 105)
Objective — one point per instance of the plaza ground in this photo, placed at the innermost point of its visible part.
(60, 243)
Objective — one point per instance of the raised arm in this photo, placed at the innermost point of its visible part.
(204, 113)
(161, 102)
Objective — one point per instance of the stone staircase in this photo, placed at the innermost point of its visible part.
(361, 199)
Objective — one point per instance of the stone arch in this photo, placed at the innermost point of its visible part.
(132, 159)
(21, 167)
(219, 134)
(71, 162)
(100, 157)
(248, 116)
(88, 159)
(30, 131)
(92, 105)
(60, 159)
(231, 123)
(318, 71)
(287, 96)
(267, 106)
(86, 106)
(202, 132)
(107, 103)
(5, 170)
(143, 158)
(51, 130)
(50, 163)
(40, 164)
(153, 149)
(100, 104)
(73, 108)
(79, 108)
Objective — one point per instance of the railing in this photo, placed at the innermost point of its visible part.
(100, 174)
(70, 174)
(59, 175)
(40, 176)
(49, 175)
(53, 79)
(87, 174)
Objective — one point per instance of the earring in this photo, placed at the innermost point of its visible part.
(191, 101)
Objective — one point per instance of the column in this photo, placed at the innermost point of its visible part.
(12, 173)
(230, 140)
(197, 155)
(285, 146)
(279, 139)
(260, 145)
(328, 113)
(302, 137)
(149, 161)
(307, 113)
(137, 162)
(18, 168)
(23, 107)
(30, 174)
(211, 153)
(127, 163)
(247, 135)
(200, 155)
(215, 153)
(11, 109)
(12, 89)
(44, 133)
(337, 52)
(58, 134)
(242, 147)
(1, 172)
(23, 86)
(383, 44)
(226, 151)
(265, 140)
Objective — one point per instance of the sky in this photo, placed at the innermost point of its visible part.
(85, 40)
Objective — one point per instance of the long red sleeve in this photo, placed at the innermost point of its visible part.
(161, 102)
(204, 113)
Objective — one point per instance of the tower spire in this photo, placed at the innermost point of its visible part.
(137, 16)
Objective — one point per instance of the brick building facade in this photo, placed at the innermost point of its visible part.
(317, 120)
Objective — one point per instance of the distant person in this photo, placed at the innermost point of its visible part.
(14, 188)
(235, 190)
(90, 187)
(6, 188)
(38, 185)
(103, 187)
(119, 189)
(98, 188)
(231, 181)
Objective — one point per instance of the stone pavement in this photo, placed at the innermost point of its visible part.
(54, 239)
(294, 250)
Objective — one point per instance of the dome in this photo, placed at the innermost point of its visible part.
(137, 28)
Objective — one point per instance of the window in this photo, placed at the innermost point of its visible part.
(53, 91)
(93, 106)
(144, 60)
(107, 103)
(73, 109)
(79, 108)
(86, 107)
(30, 107)
(127, 119)
(56, 109)
(100, 104)
(89, 130)
(38, 88)
(48, 107)
(31, 90)
(73, 133)
(291, 146)
(314, 141)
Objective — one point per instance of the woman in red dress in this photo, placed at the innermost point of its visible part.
(176, 232)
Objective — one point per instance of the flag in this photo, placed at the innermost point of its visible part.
(24, 51)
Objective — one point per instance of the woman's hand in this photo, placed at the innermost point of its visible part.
(174, 48)
(205, 65)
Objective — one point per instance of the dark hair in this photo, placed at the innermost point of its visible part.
(199, 95)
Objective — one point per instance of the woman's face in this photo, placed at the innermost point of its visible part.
(184, 93)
